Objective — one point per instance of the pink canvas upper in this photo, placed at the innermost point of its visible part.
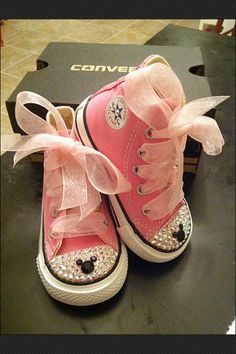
(155, 99)
(121, 146)
(60, 246)
(75, 216)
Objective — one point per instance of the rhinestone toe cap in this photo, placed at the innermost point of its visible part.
(175, 232)
(84, 266)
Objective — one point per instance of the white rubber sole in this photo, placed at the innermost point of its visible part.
(127, 234)
(83, 295)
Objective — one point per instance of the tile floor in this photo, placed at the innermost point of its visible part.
(24, 40)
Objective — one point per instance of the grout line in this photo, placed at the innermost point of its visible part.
(135, 21)
(18, 36)
(14, 47)
(128, 32)
(74, 30)
(17, 62)
(109, 27)
(27, 28)
(31, 32)
(14, 36)
(106, 29)
(11, 75)
(113, 35)
(126, 25)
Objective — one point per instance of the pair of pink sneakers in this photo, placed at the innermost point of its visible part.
(113, 176)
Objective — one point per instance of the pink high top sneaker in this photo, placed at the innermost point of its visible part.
(81, 259)
(141, 122)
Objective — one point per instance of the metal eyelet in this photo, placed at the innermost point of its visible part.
(135, 170)
(148, 133)
(53, 234)
(145, 212)
(139, 153)
(139, 190)
(54, 213)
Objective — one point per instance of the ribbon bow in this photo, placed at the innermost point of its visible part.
(82, 172)
(156, 96)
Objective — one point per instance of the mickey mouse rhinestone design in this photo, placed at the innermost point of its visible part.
(180, 235)
(87, 266)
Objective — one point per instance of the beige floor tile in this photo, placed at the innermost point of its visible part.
(26, 65)
(189, 23)
(63, 27)
(34, 41)
(76, 22)
(8, 84)
(125, 37)
(161, 21)
(3, 106)
(115, 25)
(157, 20)
(147, 27)
(90, 34)
(5, 125)
(10, 32)
(68, 39)
(11, 55)
(27, 24)
(3, 109)
(38, 51)
(175, 22)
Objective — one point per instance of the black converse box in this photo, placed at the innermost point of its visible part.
(69, 72)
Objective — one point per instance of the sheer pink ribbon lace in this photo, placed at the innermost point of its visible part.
(73, 174)
(156, 96)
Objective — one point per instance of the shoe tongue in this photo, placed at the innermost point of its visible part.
(167, 85)
(67, 114)
(154, 58)
(153, 93)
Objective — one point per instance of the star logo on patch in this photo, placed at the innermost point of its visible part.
(116, 112)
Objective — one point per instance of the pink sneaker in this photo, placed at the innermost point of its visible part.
(81, 259)
(141, 122)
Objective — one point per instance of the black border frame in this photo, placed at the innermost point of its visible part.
(118, 343)
(104, 9)
(137, 344)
